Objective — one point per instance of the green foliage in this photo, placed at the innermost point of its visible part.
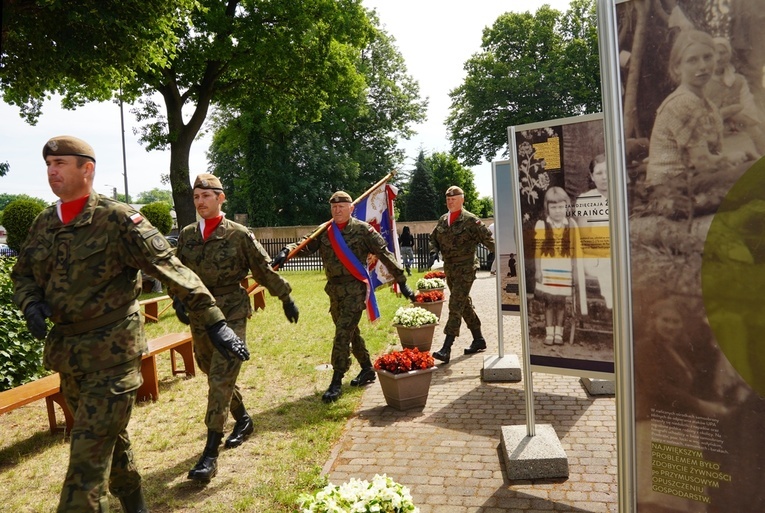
(84, 50)
(20, 352)
(530, 68)
(6, 198)
(421, 199)
(447, 171)
(158, 214)
(282, 173)
(4, 169)
(485, 207)
(154, 195)
(18, 217)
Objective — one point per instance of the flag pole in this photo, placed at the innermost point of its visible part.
(322, 227)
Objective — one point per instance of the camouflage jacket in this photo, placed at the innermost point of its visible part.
(88, 272)
(228, 255)
(362, 240)
(457, 243)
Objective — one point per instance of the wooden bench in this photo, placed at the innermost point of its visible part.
(257, 291)
(151, 311)
(180, 343)
(49, 388)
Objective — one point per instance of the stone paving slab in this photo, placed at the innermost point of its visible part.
(449, 452)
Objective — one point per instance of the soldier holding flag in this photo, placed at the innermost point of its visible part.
(344, 247)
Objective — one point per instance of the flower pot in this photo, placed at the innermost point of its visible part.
(420, 337)
(406, 390)
(430, 290)
(432, 306)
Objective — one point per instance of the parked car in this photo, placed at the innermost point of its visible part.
(173, 240)
(5, 250)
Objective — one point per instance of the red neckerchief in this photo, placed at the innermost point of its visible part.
(342, 225)
(209, 226)
(453, 217)
(70, 209)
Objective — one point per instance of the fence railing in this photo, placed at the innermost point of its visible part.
(313, 262)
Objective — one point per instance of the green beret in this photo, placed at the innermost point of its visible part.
(341, 197)
(68, 145)
(454, 191)
(207, 181)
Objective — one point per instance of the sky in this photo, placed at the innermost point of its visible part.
(434, 38)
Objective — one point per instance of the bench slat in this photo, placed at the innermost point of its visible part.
(29, 392)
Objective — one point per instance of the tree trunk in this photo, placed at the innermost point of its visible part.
(633, 77)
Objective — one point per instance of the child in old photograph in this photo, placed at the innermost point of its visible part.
(555, 242)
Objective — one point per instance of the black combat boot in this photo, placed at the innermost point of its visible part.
(367, 375)
(242, 429)
(478, 344)
(207, 466)
(134, 503)
(335, 388)
(444, 353)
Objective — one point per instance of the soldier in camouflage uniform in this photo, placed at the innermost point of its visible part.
(222, 253)
(456, 236)
(80, 267)
(346, 293)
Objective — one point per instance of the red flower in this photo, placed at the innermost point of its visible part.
(435, 274)
(429, 297)
(398, 362)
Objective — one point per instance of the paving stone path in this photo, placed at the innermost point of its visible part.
(449, 454)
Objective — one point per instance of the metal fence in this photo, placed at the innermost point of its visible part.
(313, 261)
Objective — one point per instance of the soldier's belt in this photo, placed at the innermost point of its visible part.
(77, 328)
(223, 290)
(458, 259)
(337, 280)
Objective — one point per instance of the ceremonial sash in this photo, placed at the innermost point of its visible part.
(354, 266)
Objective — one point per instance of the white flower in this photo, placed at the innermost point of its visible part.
(413, 317)
(383, 495)
(430, 283)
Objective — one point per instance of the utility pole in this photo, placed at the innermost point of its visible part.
(124, 157)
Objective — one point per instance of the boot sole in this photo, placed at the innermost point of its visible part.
(233, 444)
(201, 479)
(355, 383)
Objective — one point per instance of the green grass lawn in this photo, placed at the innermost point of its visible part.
(282, 384)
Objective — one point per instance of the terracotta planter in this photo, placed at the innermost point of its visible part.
(434, 307)
(420, 337)
(430, 290)
(406, 390)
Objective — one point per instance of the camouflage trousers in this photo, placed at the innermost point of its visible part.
(459, 279)
(101, 403)
(346, 304)
(223, 395)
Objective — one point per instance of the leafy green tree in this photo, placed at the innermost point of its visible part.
(20, 353)
(155, 195)
(447, 171)
(18, 217)
(84, 50)
(4, 168)
(530, 68)
(6, 198)
(282, 174)
(421, 199)
(158, 214)
(485, 207)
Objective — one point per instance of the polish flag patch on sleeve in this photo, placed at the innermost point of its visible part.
(136, 218)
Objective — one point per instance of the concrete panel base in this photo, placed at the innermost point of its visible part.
(599, 386)
(507, 368)
(537, 457)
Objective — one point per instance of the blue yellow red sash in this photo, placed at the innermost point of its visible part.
(354, 266)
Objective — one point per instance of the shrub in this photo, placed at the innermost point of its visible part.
(18, 217)
(158, 214)
(20, 352)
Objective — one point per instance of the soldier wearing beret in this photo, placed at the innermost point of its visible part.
(347, 293)
(80, 266)
(222, 253)
(456, 236)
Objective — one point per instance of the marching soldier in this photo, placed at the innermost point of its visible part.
(344, 247)
(456, 236)
(222, 253)
(80, 267)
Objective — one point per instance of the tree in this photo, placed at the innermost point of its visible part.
(18, 217)
(155, 195)
(421, 199)
(485, 207)
(283, 174)
(447, 171)
(6, 198)
(158, 214)
(104, 43)
(530, 68)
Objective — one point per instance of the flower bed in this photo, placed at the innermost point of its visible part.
(429, 297)
(381, 495)
(435, 274)
(398, 362)
(413, 317)
(430, 283)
